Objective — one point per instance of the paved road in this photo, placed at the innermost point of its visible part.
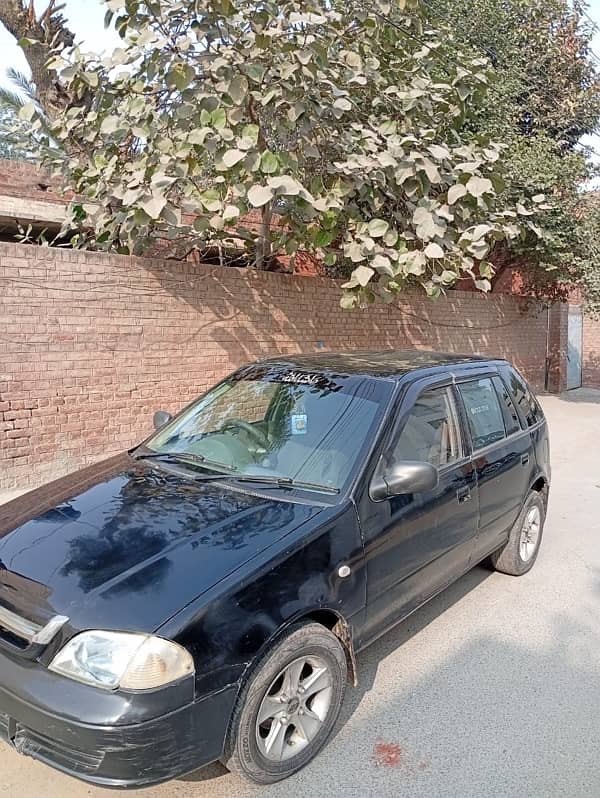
(491, 690)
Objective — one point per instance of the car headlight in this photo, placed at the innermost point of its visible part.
(119, 659)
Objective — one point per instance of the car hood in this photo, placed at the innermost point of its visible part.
(124, 545)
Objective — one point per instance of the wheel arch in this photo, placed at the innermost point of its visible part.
(325, 616)
(541, 485)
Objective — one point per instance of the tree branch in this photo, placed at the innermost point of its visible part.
(49, 31)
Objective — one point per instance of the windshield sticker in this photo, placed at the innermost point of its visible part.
(299, 424)
(301, 379)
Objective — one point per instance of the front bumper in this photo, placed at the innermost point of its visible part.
(122, 755)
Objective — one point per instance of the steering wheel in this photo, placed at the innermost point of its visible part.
(237, 423)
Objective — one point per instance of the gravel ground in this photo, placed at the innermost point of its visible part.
(493, 689)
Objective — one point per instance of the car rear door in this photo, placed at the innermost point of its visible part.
(416, 544)
(502, 455)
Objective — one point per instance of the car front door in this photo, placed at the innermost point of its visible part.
(503, 458)
(416, 544)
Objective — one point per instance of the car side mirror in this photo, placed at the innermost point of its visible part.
(405, 477)
(161, 417)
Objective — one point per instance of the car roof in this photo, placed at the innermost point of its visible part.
(391, 364)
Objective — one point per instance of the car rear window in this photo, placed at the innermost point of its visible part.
(484, 414)
(511, 417)
(523, 397)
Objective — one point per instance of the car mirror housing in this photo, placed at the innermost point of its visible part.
(161, 417)
(404, 477)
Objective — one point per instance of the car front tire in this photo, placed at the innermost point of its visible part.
(519, 554)
(288, 707)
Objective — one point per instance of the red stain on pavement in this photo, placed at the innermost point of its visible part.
(387, 755)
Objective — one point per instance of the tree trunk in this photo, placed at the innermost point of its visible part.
(50, 32)
(263, 245)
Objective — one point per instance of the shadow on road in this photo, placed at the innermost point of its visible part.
(368, 666)
(589, 396)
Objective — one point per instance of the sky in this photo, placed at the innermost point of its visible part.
(86, 18)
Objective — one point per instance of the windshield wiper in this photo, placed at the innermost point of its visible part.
(183, 457)
(278, 482)
(199, 459)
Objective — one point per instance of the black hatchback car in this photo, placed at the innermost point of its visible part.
(203, 596)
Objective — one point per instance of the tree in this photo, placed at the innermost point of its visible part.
(346, 119)
(18, 140)
(544, 96)
(39, 36)
(12, 144)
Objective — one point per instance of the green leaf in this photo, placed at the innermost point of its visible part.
(480, 231)
(478, 186)
(260, 195)
(362, 274)
(390, 239)
(269, 162)
(486, 270)
(153, 205)
(110, 124)
(181, 76)
(255, 72)
(27, 111)
(439, 152)
(348, 301)
(286, 185)
(383, 265)
(448, 277)
(238, 89)
(233, 157)
(231, 212)
(483, 285)
(427, 224)
(250, 134)
(413, 263)
(91, 78)
(322, 238)
(523, 211)
(434, 250)
(378, 228)
(388, 128)
(199, 135)
(211, 200)
(342, 104)
(219, 118)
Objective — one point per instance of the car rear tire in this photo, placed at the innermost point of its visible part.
(519, 554)
(288, 707)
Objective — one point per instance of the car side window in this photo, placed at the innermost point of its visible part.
(484, 414)
(523, 397)
(431, 432)
(512, 422)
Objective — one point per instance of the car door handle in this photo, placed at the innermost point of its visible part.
(463, 495)
(524, 459)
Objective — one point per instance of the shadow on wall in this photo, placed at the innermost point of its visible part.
(591, 369)
(254, 314)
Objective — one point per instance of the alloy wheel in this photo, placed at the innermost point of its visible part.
(294, 708)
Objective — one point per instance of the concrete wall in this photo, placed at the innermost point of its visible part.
(91, 344)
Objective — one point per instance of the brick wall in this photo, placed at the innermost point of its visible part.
(591, 352)
(91, 344)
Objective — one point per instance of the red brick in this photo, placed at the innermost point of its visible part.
(106, 340)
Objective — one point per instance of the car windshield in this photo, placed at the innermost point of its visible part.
(300, 426)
